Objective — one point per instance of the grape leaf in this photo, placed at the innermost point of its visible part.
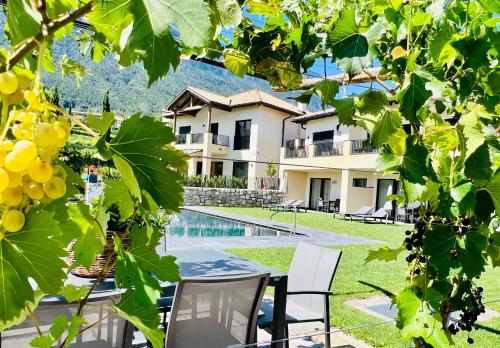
(141, 144)
(437, 245)
(228, 12)
(101, 124)
(117, 192)
(493, 249)
(23, 20)
(235, 61)
(415, 319)
(388, 122)
(470, 253)
(388, 161)
(144, 318)
(151, 37)
(493, 188)
(414, 165)
(371, 102)
(91, 232)
(72, 293)
(326, 90)
(384, 254)
(23, 256)
(345, 40)
(413, 97)
(346, 110)
(139, 265)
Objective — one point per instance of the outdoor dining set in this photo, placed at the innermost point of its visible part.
(218, 303)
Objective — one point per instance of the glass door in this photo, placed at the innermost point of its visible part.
(386, 187)
(319, 189)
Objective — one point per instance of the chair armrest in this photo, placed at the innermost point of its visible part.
(309, 292)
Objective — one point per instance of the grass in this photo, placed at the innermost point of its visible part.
(357, 280)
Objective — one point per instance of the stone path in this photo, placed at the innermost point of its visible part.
(381, 307)
(303, 233)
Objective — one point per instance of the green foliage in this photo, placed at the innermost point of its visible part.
(22, 256)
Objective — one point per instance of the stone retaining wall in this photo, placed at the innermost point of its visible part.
(228, 197)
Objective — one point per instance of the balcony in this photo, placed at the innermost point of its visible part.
(216, 144)
(181, 139)
(219, 139)
(296, 152)
(197, 138)
(362, 146)
(328, 148)
(332, 154)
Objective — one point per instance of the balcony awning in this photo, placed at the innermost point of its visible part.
(191, 151)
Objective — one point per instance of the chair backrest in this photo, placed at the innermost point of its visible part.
(216, 312)
(364, 210)
(381, 213)
(111, 332)
(313, 268)
(297, 203)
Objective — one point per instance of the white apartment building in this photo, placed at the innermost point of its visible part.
(231, 136)
(320, 161)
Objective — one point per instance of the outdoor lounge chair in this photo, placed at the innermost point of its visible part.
(296, 205)
(282, 206)
(380, 214)
(309, 280)
(216, 312)
(111, 332)
(364, 210)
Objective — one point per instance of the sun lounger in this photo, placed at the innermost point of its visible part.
(296, 205)
(283, 206)
(380, 214)
(364, 210)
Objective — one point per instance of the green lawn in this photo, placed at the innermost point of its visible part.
(355, 280)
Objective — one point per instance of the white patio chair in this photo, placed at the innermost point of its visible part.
(310, 277)
(282, 206)
(111, 332)
(215, 312)
(364, 210)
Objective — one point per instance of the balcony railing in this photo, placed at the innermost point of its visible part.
(181, 138)
(197, 138)
(219, 139)
(328, 148)
(362, 146)
(296, 152)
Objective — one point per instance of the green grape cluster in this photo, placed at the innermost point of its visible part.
(30, 143)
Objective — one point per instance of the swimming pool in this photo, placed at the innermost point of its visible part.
(192, 224)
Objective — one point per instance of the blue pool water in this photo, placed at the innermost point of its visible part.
(192, 224)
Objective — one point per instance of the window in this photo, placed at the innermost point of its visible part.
(323, 136)
(216, 169)
(242, 135)
(240, 169)
(185, 130)
(358, 182)
(199, 168)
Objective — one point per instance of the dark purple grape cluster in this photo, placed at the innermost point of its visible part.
(469, 316)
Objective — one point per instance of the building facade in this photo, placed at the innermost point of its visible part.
(231, 136)
(320, 162)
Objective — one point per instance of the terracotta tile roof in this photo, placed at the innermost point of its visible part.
(252, 97)
(315, 115)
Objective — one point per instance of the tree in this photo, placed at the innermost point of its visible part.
(105, 102)
(271, 169)
(53, 96)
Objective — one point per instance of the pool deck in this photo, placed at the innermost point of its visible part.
(303, 233)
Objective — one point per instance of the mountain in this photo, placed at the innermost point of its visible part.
(128, 86)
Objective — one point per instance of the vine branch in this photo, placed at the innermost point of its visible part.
(51, 27)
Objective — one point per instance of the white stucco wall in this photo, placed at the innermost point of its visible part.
(265, 135)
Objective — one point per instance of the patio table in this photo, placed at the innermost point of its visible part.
(202, 263)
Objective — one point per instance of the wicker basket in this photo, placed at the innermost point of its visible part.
(100, 261)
